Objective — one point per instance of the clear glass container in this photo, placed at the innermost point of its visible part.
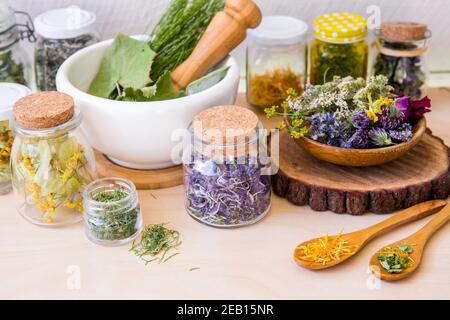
(15, 65)
(339, 48)
(403, 62)
(227, 185)
(9, 94)
(112, 214)
(276, 60)
(50, 169)
(61, 33)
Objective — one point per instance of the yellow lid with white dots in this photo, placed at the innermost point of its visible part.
(340, 27)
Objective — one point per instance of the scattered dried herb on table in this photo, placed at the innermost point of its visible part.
(115, 220)
(155, 243)
(50, 55)
(10, 70)
(270, 88)
(397, 259)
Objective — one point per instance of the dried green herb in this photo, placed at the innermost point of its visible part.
(116, 220)
(156, 242)
(10, 70)
(337, 59)
(178, 32)
(396, 259)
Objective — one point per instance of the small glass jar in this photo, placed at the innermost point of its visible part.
(276, 60)
(339, 47)
(112, 214)
(9, 94)
(51, 161)
(401, 56)
(227, 173)
(15, 66)
(62, 32)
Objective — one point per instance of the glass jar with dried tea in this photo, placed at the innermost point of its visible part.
(62, 32)
(15, 67)
(401, 56)
(339, 47)
(226, 168)
(112, 215)
(276, 60)
(9, 94)
(50, 160)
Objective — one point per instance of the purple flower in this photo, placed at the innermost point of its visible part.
(360, 120)
(391, 118)
(402, 134)
(359, 140)
(379, 137)
(413, 109)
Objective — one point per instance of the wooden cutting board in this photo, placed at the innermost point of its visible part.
(420, 175)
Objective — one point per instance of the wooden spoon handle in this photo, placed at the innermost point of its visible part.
(431, 227)
(413, 213)
(226, 31)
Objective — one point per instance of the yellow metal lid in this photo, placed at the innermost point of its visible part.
(340, 27)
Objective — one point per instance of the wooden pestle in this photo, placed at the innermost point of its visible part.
(225, 32)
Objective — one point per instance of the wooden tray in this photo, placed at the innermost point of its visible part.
(422, 174)
(143, 179)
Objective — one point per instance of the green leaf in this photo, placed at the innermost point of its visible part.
(138, 95)
(66, 151)
(405, 248)
(165, 89)
(127, 63)
(72, 186)
(52, 185)
(45, 156)
(207, 81)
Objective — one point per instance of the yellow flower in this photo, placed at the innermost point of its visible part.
(27, 163)
(72, 164)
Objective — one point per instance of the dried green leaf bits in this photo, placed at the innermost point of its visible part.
(51, 163)
(340, 48)
(112, 214)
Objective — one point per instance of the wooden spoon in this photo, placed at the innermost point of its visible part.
(417, 242)
(225, 32)
(362, 237)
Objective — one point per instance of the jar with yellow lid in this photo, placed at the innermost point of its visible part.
(339, 47)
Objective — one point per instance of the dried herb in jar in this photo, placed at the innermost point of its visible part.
(270, 88)
(50, 55)
(10, 70)
(115, 220)
(6, 141)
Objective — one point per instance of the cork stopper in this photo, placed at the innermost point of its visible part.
(43, 110)
(404, 31)
(225, 125)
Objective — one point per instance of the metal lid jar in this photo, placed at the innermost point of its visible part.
(9, 94)
(339, 47)
(226, 165)
(15, 66)
(50, 160)
(62, 32)
(401, 49)
(276, 60)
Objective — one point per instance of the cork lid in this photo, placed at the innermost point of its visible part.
(225, 124)
(404, 31)
(43, 110)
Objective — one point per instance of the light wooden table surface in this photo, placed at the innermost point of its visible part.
(253, 262)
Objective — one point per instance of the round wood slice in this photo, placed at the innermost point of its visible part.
(143, 179)
(422, 174)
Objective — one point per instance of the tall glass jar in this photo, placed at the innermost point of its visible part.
(62, 32)
(401, 56)
(51, 161)
(276, 60)
(9, 94)
(112, 214)
(339, 47)
(226, 168)
(15, 66)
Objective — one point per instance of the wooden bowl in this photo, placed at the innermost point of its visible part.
(361, 157)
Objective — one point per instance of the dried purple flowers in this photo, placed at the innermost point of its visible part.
(350, 113)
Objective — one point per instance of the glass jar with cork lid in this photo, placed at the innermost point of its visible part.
(276, 60)
(401, 49)
(339, 47)
(227, 168)
(50, 160)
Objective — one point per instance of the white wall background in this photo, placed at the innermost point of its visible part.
(139, 16)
